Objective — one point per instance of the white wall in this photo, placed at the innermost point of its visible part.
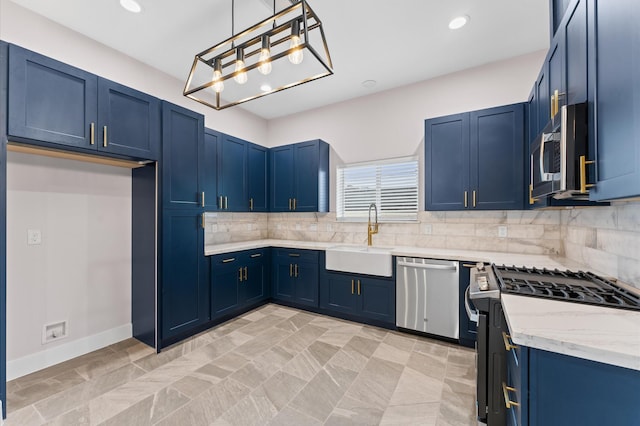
(82, 270)
(31, 31)
(391, 123)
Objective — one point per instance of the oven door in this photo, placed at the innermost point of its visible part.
(546, 163)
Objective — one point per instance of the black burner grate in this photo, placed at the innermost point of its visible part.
(579, 287)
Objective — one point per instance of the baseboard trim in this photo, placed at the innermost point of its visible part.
(43, 359)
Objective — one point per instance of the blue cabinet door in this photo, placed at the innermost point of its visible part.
(565, 390)
(258, 178)
(446, 141)
(337, 293)
(226, 273)
(544, 100)
(468, 329)
(281, 171)
(282, 283)
(311, 176)
(615, 96)
(128, 121)
(376, 299)
(184, 287)
(232, 174)
(497, 153)
(555, 67)
(209, 184)
(255, 283)
(182, 150)
(306, 277)
(576, 56)
(51, 101)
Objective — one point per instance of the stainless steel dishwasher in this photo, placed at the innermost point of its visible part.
(427, 296)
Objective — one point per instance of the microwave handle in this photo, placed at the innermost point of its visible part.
(541, 159)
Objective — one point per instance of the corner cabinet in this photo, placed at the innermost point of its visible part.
(52, 103)
(295, 276)
(299, 176)
(474, 160)
(615, 95)
(4, 51)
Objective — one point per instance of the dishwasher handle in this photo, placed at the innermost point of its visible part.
(473, 315)
(428, 266)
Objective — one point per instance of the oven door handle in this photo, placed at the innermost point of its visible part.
(473, 315)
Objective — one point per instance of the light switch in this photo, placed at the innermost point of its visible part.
(502, 231)
(34, 237)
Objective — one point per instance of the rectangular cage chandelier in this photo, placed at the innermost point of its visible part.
(280, 52)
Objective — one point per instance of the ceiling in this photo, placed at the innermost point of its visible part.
(392, 42)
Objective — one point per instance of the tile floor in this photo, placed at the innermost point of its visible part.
(274, 365)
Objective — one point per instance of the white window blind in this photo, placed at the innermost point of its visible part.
(391, 184)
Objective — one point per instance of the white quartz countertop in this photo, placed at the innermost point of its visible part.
(605, 335)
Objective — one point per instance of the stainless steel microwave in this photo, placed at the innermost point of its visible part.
(559, 156)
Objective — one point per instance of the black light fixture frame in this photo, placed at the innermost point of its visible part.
(307, 21)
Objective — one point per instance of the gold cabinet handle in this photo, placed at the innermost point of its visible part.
(583, 174)
(291, 269)
(202, 220)
(505, 390)
(358, 287)
(202, 199)
(251, 204)
(289, 203)
(474, 198)
(295, 202)
(507, 342)
(256, 255)
(104, 136)
(466, 204)
(220, 205)
(296, 269)
(245, 273)
(352, 286)
(92, 132)
(228, 260)
(226, 202)
(531, 199)
(240, 274)
(551, 106)
(294, 254)
(556, 102)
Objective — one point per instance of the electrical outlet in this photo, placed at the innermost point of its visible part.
(427, 229)
(502, 231)
(34, 237)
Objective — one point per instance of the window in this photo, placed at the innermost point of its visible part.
(391, 184)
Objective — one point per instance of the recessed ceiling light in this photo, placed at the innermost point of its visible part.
(131, 5)
(265, 88)
(458, 22)
(369, 84)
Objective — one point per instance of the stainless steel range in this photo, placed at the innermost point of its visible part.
(578, 287)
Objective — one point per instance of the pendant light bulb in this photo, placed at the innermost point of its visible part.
(218, 85)
(265, 56)
(241, 77)
(296, 56)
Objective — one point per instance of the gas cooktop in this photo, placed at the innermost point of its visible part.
(578, 287)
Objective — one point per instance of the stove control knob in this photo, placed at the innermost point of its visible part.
(480, 266)
(483, 283)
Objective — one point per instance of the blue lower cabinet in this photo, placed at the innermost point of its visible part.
(239, 280)
(550, 389)
(359, 297)
(295, 276)
(184, 284)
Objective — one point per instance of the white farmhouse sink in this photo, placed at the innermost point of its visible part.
(360, 260)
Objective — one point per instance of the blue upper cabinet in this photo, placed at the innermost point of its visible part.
(300, 177)
(51, 101)
(496, 151)
(182, 149)
(128, 121)
(615, 95)
(232, 174)
(54, 103)
(475, 160)
(209, 184)
(446, 141)
(258, 178)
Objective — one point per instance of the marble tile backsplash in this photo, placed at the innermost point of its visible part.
(605, 238)
(234, 227)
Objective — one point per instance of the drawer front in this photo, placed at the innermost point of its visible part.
(297, 256)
